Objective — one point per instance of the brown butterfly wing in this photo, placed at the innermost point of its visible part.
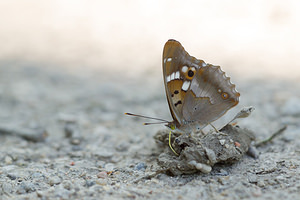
(196, 91)
(176, 65)
(211, 95)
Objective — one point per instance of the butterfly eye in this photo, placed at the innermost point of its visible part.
(190, 73)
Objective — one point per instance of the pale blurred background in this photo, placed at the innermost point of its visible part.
(256, 39)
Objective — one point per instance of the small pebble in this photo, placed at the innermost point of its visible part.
(40, 193)
(257, 192)
(252, 151)
(8, 160)
(222, 142)
(102, 182)
(261, 183)
(12, 176)
(252, 178)
(140, 167)
(223, 180)
(89, 183)
(272, 182)
(237, 144)
(279, 178)
(75, 141)
(102, 174)
(25, 187)
(67, 184)
(54, 180)
(69, 129)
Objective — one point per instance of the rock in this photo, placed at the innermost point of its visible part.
(26, 187)
(140, 167)
(222, 142)
(252, 178)
(67, 184)
(102, 174)
(54, 180)
(89, 183)
(12, 176)
(261, 183)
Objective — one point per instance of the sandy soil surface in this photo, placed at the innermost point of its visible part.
(91, 150)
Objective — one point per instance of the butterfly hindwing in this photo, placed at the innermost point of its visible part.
(211, 95)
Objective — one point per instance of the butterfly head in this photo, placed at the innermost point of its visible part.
(171, 125)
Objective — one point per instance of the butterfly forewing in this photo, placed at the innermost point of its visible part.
(179, 68)
(174, 58)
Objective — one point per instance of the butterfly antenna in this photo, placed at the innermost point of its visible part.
(154, 118)
(154, 123)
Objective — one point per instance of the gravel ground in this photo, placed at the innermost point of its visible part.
(64, 135)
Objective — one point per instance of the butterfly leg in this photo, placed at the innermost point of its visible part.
(170, 145)
(214, 128)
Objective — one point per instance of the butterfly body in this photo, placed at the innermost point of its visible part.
(198, 93)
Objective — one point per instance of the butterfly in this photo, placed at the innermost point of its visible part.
(198, 93)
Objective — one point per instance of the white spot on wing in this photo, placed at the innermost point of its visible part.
(203, 64)
(185, 85)
(177, 75)
(169, 59)
(184, 69)
(172, 76)
(169, 78)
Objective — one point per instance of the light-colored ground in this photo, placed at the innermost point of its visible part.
(34, 96)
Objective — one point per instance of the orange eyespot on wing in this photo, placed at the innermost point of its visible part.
(224, 95)
(188, 72)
